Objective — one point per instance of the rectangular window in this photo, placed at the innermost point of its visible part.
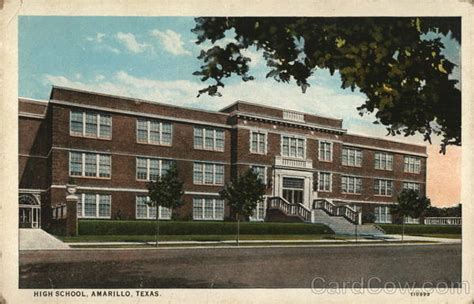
(209, 174)
(383, 161)
(205, 208)
(259, 212)
(351, 184)
(208, 139)
(90, 164)
(92, 205)
(383, 187)
(261, 172)
(324, 181)
(293, 146)
(90, 124)
(150, 169)
(150, 131)
(412, 185)
(382, 214)
(77, 123)
(75, 164)
(325, 151)
(258, 142)
(145, 211)
(351, 157)
(412, 164)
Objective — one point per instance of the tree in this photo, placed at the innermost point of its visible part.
(410, 203)
(166, 191)
(243, 194)
(392, 61)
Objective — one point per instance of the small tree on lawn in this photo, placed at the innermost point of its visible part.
(243, 194)
(166, 191)
(410, 203)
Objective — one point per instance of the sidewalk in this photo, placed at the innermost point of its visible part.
(393, 239)
(38, 239)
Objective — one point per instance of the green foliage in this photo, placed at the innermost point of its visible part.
(147, 227)
(410, 204)
(368, 218)
(433, 211)
(420, 229)
(167, 190)
(244, 193)
(391, 60)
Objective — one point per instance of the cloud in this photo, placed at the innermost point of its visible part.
(100, 45)
(97, 38)
(171, 41)
(131, 43)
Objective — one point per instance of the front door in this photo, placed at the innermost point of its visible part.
(25, 217)
(293, 189)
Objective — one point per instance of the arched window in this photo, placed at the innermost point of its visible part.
(27, 199)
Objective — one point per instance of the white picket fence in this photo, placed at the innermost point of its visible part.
(442, 221)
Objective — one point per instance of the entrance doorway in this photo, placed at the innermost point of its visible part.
(293, 189)
(29, 212)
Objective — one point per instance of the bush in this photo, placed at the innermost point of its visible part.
(136, 227)
(368, 218)
(420, 229)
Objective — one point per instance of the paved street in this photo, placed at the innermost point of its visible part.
(242, 267)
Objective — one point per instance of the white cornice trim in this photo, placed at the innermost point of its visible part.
(140, 114)
(287, 122)
(138, 100)
(201, 193)
(404, 152)
(31, 115)
(276, 108)
(141, 155)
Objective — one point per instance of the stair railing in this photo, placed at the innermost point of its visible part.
(325, 205)
(348, 212)
(293, 209)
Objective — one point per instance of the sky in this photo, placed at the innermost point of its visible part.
(153, 58)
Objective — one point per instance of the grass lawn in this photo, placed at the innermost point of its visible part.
(150, 238)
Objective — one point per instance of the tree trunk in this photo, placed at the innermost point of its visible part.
(238, 229)
(403, 227)
(157, 225)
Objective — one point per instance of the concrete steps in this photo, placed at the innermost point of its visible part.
(340, 225)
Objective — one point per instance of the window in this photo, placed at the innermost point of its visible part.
(209, 174)
(412, 185)
(144, 211)
(351, 184)
(382, 214)
(324, 182)
(383, 187)
(412, 164)
(208, 139)
(208, 208)
(90, 124)
(259, 212)
(261, 171)
(154, 132)
(94, 205)
(325, 151)
(90, 164)
(409, 220)
(258, 142)
(293, 146)
(351, 157)
(150, 169)
(383, 161)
